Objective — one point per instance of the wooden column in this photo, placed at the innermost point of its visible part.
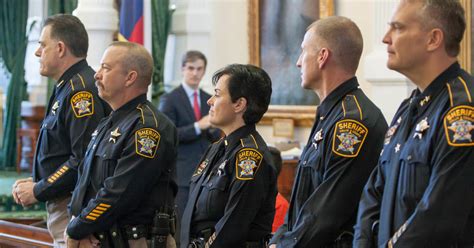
(465, 54)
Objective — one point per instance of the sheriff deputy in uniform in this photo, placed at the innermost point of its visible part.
(73, 112)
(344, 144)
(421, 194)
(126, 189)
(233, 190)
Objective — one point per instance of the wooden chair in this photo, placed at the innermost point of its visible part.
(31, 117)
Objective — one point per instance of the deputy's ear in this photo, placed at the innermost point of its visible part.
(323, 57)
(240, 105)
(435, 39)
(61, 49)
(131, 78)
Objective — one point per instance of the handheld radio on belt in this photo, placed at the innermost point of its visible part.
(163, 222)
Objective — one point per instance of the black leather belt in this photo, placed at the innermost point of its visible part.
(199, 239)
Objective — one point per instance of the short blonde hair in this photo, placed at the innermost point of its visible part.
(138, 59)
(342, 36)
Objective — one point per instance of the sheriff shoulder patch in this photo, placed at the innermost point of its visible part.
(146, 142)
(458, 126)
(247, 162)
(349, 136)
(82, 104)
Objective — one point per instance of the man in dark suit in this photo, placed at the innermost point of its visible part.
(186, 107)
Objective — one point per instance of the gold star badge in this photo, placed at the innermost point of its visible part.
(114, 135)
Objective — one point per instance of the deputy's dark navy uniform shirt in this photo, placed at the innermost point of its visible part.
(422, 190)
(128, 171)
(342, 150)
(74, 111)
(232, 192)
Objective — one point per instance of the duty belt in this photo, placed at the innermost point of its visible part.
(136, 232)
(199, 240)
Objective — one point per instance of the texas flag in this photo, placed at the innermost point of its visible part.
(131, 21)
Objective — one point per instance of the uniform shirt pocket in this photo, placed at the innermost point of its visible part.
(417, 174)
(49, 129)
(313, 166)
(217, 196)
(107, 156)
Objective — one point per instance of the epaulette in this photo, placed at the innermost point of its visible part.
(145, 110)
(458, 121)
(249, 142)
(82, 100)
(248, 159)
(351, 108)
(77, 82)
(459, 92)
(349, 133)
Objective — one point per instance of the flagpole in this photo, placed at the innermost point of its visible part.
(147, 42)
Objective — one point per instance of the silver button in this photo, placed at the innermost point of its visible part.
(135, 235)
(304, 162)
(134, 229)
(210, 184)
(409, 157)
(114, 234)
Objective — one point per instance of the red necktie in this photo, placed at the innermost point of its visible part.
(197, 111)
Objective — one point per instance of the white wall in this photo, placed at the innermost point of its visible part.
(218, 28)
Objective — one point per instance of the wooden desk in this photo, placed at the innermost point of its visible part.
(286, 177)
(19, 235)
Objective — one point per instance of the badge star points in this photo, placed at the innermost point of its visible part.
(348, 140)
(83, 106)
(147, 145)
(247, 167)
(220, 170)
(420, 128)
(55, 107)
(397, 148)
(114, 135)
(317, 138)
(462, 130)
